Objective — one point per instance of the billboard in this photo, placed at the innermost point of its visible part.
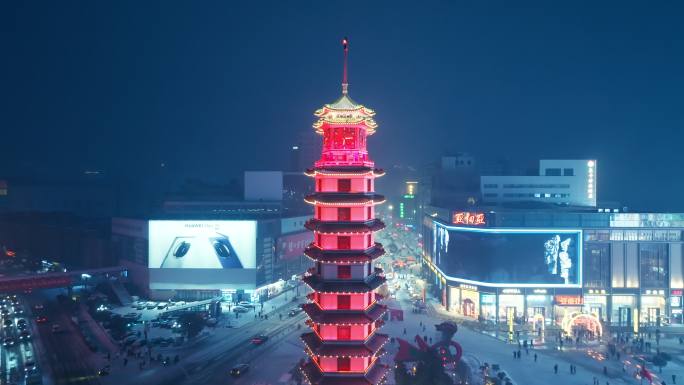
(292, 245)
(202, 254)
(509, 257)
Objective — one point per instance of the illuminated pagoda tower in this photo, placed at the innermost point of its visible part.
(344, 315)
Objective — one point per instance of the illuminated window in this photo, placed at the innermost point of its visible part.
(344, 272)
(344, 185)
(344, 214)
(344, 302)
(343, 364)
(344, 332)
(344, 242)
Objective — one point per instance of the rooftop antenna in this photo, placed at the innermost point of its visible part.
(345, 84)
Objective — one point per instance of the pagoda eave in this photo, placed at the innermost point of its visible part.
(338, 227)
(370, 315)
(344, 286)
(314, 376)
(344, 256)
(345, 171)
(369, 348)
(343, 198)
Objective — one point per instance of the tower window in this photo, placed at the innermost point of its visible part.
(344, 185)
(344, 242)
(344, 332)
(368, 185)
(343, 364)
(344, 213)
(343, 302)
(344, 271)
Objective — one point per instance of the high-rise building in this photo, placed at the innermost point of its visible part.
(344, 315)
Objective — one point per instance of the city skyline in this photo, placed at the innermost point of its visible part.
(520, 82)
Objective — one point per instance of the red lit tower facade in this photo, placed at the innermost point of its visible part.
(344, 346)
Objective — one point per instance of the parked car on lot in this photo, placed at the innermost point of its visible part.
(245, 304)
(162, 305)
(151, 305)
(239, 370)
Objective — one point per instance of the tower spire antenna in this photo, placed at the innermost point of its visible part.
(345, 83)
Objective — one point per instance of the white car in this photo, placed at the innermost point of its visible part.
(245, 304)
(240, 309)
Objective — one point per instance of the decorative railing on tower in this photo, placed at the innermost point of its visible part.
(343, 346)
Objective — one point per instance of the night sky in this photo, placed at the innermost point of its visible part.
(213, 88)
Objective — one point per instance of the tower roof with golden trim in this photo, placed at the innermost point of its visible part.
(344, 111)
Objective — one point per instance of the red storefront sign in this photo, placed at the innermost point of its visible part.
(569, 300)
(293, 245)
(468, 218)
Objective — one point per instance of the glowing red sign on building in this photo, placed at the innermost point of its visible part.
(569, 300)
(468, 218)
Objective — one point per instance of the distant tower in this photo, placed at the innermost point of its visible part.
(344, 314)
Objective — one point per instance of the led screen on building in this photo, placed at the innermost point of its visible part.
(508, 256)
(202, 254)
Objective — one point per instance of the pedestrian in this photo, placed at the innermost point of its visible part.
(125, 362)
(605, 370)
(519, 354)
(404, 331)
(618, 356)
(535, 357)
(674, 378)
(555, 368)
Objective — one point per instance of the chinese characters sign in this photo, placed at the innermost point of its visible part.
(569, 300)
(468, 218)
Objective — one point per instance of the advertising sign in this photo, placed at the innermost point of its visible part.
(201, 254)
(519, 257)
(292, 245)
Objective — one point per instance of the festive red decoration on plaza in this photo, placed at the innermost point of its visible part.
(344, 315)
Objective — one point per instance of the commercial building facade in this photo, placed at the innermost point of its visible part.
(547, 265)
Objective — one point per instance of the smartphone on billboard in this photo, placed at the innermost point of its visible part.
(225, 252)
(178, 254)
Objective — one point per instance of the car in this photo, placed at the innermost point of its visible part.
(38, 307)
(29, 366)
(8, 322)
(4, 312)
(56, 328)
(260, 339)
(239, 370)
(24, 335)
(245, 304)
(41, 319)
(151, 305)
(104, 371)
(18, 309)
(9, 341)
(240, 309)
(162, 305)
(22, 326)
(295, 311)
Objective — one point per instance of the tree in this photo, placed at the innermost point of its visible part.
(660, 360)
(192, 323)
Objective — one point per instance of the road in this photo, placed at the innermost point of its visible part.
(68, 356)
(210, 360)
